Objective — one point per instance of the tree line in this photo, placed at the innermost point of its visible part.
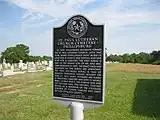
(21, 52)
(142, 58)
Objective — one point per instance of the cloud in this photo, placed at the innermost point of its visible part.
(52, 8)
(113, 12)
(116, 16)
(121, 17)
(32, 16)
(110, 12)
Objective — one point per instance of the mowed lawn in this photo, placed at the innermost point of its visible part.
(132, 93)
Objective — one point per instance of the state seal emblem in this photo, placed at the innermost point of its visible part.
(77, 27)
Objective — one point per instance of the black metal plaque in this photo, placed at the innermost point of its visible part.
(78, 60)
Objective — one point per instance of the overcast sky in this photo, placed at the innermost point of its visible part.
(132, 25)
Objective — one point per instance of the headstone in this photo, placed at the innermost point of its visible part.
(4, 64)
(45, 63)
(8, 65)
(20, 64)
(31, 67)
(15, 66)
(0, 67)
(50, 64)
(4, 60)
(6, 73)
(40, 63)
(12, 67)
(48, 68)
(24, 67)
(79, 63)
(37, 63)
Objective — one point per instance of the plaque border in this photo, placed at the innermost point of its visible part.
(88, 104)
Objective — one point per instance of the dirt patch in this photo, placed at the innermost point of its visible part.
(144, 68)
(39, 85)
(13, 88)
(13, 91)
(31, 82)
(6, 87)
(22, 95)
(10, 88)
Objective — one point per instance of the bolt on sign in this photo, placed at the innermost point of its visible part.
(78, 68)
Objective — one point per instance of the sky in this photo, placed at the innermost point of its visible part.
(131, 26)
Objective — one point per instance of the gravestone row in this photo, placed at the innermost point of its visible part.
(10, 69)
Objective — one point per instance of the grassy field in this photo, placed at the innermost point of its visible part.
(132, 93)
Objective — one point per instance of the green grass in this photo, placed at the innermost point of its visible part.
(129, 96)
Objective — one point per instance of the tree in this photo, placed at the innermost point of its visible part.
(155, 56)
(126, 58)
(21, 52)
(145, 58)
(0, 59)
(23, 48)
(47, 58)
(142, 57)
(14, 54)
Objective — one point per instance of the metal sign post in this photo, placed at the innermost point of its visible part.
(79, 65)
(77, 111)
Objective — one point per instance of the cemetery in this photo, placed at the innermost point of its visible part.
(80, 82)
(21, 68)
(13, 62)
(79, 59)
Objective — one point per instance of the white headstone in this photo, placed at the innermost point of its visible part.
(46, 63)
(43, 62)
(20, 64)
(31, 67)
(12, 67)
(15, 65)
(0, 67)
(6, 72)
(4, 64)
(39, 62)
(50, 64)
(8, 65)
(24, 67)
(4, 60)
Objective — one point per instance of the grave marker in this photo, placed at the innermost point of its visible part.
(4, 64)
(50, 64)
(20, 65)
(1, 66)
(31, 67)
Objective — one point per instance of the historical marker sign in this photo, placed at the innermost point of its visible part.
(78, 64)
